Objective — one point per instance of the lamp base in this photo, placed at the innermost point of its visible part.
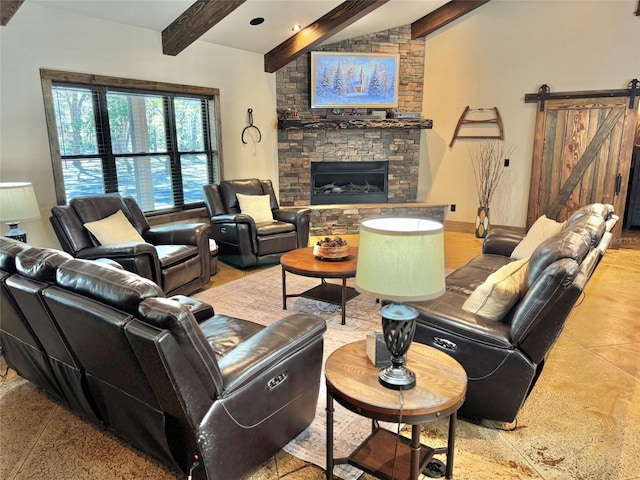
(16, 233)
(398, 327)
(397, 378)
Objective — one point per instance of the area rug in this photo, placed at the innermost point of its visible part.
(258, 297)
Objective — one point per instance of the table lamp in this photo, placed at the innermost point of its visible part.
(17, 202)
(400, 260)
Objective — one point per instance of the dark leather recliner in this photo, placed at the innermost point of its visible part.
(167, 375)
(176, 257)
(241, 241)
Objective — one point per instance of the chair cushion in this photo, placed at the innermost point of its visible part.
(256, 206)
(173, 254)
(114, 229)
(265, 229)
(542, 229)
(499, 292)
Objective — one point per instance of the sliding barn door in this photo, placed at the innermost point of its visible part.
(582, 154)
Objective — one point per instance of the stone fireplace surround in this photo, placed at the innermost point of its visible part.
(398, 145)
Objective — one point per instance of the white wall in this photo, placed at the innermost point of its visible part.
(493, 57)
(41, 37)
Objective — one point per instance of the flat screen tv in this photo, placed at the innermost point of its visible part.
(354, 80)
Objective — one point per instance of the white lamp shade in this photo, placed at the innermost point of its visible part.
(401, 259)
(18, 201)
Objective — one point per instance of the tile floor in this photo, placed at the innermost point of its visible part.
(582, 420)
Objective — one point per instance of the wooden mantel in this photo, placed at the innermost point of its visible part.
(323, 123)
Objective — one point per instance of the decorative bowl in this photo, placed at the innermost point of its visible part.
(331, 253)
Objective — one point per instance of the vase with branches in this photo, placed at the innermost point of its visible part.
(488, 168)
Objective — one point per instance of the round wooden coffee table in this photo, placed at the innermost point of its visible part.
(352, 380)
(302, 262)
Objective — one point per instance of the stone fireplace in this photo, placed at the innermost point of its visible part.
(316, 137)
(375, 141)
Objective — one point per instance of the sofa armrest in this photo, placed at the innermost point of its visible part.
(446, 314)
(232, 218)
(290, 215)
(267, 348)
(500, 241)
(136, 257)
(180, 234)
(201, 311)
(235, 229)
(300, 217)
(117, 250)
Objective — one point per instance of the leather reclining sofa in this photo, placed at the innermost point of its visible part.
(504, 358)
(167, 375)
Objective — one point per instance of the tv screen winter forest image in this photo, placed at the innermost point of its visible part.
(341, 80)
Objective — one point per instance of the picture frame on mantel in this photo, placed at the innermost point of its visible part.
(354, 80)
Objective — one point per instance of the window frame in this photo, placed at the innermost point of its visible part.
(50, 78)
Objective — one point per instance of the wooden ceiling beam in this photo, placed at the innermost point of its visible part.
(328, 25)
(8, 8)
(194, 22)
(442, 16)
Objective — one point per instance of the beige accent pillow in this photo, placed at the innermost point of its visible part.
(115, 228)
(499, 292)
(256, 206)
(542, 229)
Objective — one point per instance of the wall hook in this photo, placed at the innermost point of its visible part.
(251, 125)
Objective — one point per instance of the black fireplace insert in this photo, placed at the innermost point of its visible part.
(349, 182)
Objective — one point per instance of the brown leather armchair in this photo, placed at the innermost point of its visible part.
(175, 257)
(243, 242)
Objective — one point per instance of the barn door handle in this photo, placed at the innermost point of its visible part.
(618, 183)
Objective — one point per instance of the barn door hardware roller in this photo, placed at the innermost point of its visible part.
(634, 91)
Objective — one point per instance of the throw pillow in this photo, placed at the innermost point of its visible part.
(499, 292)
(256, 206)
(115, 228)
(542, 229)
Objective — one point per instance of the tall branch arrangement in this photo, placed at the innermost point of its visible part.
(488, 167)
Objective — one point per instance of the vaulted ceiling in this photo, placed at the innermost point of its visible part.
(229, 22)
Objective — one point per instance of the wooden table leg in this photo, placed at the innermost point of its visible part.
(329, 410)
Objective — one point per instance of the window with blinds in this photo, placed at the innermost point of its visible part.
(157, 146)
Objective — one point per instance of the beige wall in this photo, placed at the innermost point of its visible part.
(493, 57)
(39, 36)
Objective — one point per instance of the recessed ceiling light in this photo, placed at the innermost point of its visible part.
(256, 21)
(296, 28)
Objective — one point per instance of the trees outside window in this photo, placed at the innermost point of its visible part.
(158, 144)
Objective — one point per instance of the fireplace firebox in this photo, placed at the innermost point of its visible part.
(349, 182)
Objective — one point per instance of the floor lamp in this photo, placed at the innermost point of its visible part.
(17, 202)
(400, 260)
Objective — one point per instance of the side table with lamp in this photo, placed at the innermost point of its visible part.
(400, 260)
(17, 202)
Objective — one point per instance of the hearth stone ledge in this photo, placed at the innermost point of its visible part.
(344, 219)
